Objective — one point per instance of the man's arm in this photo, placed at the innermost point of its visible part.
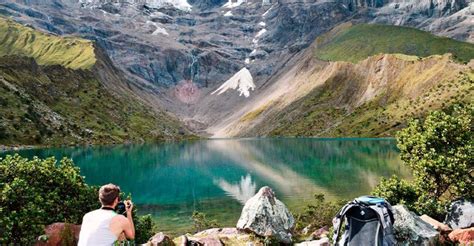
(129, 227)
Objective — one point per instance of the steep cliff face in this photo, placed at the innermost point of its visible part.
(428, 8)
(57, 91)
(354, 5)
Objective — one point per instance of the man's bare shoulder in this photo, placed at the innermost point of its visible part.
(119, 219)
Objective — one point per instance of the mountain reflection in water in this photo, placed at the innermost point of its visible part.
(171, 180)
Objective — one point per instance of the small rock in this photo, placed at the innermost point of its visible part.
(460, 214)
(320, 233)
(160, 239)
(305, 230)
(182, 241)
(436, 224)
(210, 241)
(463, 236)
(218, 231)
(267, 216)
(411, 230)
(321, 242)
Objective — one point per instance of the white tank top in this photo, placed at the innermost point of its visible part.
(95, 228)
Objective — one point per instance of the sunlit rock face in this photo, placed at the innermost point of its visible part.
(166, 41)
(267, 216)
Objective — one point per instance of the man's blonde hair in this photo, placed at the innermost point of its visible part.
(108, 193)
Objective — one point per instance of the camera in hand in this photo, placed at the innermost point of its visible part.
(121, 208)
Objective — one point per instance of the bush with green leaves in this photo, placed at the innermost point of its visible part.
(317, 214)
(39, 192)
(201, 222)
(397, 191)
(439, 151)
(144, 228)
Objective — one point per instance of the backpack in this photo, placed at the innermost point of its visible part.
(369, 221)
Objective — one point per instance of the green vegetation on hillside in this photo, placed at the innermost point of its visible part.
(61, 101)
(58, 106)
(46, 49)
(35, 193)
(321, 112)
(356, 43)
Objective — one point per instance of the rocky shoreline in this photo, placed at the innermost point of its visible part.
(5, 148)
(265, 220)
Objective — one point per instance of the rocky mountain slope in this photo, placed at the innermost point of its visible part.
(176, 53)
(57, 90)
(374, 96)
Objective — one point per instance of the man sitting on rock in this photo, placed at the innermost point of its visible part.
(104, 226)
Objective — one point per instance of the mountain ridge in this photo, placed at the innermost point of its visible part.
(56, 105)
(174, 59)
(323, 98)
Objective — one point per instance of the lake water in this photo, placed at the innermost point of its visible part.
(171, 180)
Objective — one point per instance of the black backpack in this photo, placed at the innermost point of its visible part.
(369, 221)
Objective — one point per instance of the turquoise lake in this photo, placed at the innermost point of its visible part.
(171, 180)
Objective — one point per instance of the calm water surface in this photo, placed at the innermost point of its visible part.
(171, 180)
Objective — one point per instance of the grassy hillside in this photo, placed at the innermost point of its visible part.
(321, 113)
(57, 91)
(355, 43)
(57, 106)
(46, 49)
(394, 74)
(373, 98)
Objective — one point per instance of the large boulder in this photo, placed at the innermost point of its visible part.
(267, 216)
(460, 214)
(411, 230)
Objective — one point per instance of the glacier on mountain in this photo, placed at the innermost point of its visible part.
(261, 32)
(242, 81)
(232, 4)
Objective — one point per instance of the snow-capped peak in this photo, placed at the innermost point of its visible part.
(233, 3)
(242, 81)
(179, 4)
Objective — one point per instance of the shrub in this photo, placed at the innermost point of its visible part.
(318, 214)
(144, 228)
(37, 192)
(439, 150)
(397, 191)
(201, 223)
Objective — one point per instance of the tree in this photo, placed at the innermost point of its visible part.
(439, 150)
